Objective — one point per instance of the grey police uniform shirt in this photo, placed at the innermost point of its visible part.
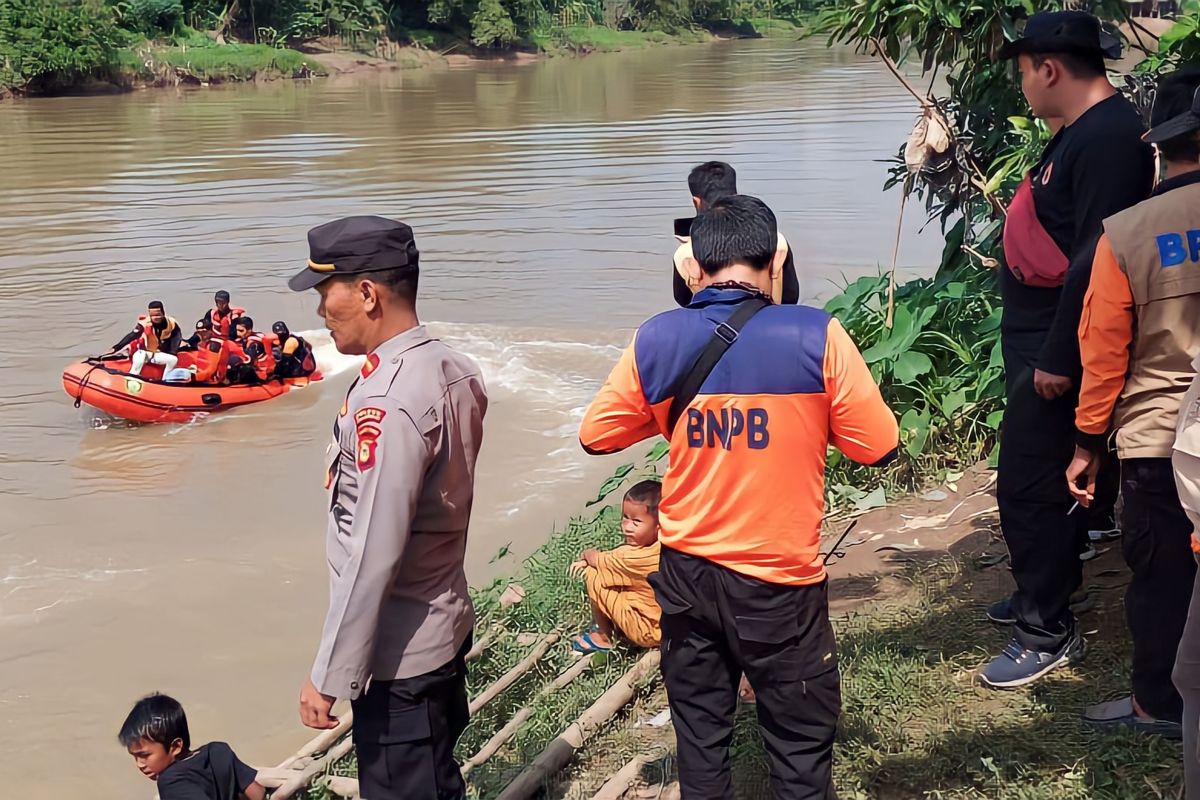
(400, 487)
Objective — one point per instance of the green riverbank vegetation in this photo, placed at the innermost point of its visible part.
(48, 46)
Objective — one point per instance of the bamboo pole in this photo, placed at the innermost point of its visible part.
(509, 678)
(616, 786)
(501, 737)
(304, 777)
(484, 641)
(560, 751)
(344, 787)
(326, 739)
(322, 741)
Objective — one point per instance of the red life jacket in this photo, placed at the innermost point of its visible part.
(221, 324)
(264, 365)
(1029, 249)
(212, 360)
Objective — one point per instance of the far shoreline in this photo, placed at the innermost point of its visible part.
(158, 66)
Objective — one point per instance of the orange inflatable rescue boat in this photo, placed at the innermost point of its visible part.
(105, 383)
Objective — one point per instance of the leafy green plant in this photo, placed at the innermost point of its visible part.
(491, 25)
(49, 42)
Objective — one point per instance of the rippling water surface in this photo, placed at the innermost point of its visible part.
(188, 558)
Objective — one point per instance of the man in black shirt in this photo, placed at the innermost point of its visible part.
(1093, 167)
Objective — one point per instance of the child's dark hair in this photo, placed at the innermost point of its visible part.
(157, 718)
(647, 493)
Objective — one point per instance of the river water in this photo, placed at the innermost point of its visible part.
(189, 558)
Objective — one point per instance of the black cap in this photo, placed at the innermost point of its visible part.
(1164, 127)
(203, 325)
(354, 245)
(222, 295)
(1063, 32)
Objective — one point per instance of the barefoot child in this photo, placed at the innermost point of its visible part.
(622, 600)
(156, 734)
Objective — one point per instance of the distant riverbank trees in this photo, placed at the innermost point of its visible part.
(53, 43)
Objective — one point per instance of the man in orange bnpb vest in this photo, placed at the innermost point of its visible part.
(1139, 335)
(741, 581)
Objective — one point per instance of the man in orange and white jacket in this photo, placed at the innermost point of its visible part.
(1138, 336)
(741, 581)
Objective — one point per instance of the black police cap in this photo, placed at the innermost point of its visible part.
(356, 245)
(1063, 32)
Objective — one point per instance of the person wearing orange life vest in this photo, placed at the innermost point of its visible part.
(213, 354)
(1139, 337)
(709, 182)
(293, 355)
(741, 582)
(222, 315)
(156, 338)
(259, 362)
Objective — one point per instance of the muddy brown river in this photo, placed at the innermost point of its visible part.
(189, 558)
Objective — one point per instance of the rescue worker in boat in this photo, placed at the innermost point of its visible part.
(214, 354)
(708, 183)
(157, 337)
(293, 356)
(222, 315)
(259, 362)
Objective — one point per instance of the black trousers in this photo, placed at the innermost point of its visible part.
(405, 731)
(717, 624)
(1037, 440)
(1156, 543)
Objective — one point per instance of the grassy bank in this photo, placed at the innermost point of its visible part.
(916, 725)
(203, 60)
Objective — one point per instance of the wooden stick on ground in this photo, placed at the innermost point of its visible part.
(616, 786)
(509, 678)
(560, 751)
(501, 737)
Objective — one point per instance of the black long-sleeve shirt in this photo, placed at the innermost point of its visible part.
(169, 345)
(1090, 170)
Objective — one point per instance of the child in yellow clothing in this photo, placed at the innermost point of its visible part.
(621, 597)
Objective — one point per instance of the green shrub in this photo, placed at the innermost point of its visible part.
(151, 17)
(52, 42)
(491, 25)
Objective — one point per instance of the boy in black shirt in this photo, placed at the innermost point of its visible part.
(156, 734)
(1095, 166)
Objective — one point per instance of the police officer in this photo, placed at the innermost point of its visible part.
(401, 478)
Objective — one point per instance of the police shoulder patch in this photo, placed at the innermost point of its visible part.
(367, 430)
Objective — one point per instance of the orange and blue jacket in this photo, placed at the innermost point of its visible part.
(746, 483)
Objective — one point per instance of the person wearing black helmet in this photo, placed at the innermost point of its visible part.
(293, 355)
(1094, 166)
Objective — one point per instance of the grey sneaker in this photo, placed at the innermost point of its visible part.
(1118, 714)
(1018, 666)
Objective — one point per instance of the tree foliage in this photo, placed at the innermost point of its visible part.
(51, 41)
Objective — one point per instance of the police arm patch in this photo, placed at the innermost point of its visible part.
(367, 430)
